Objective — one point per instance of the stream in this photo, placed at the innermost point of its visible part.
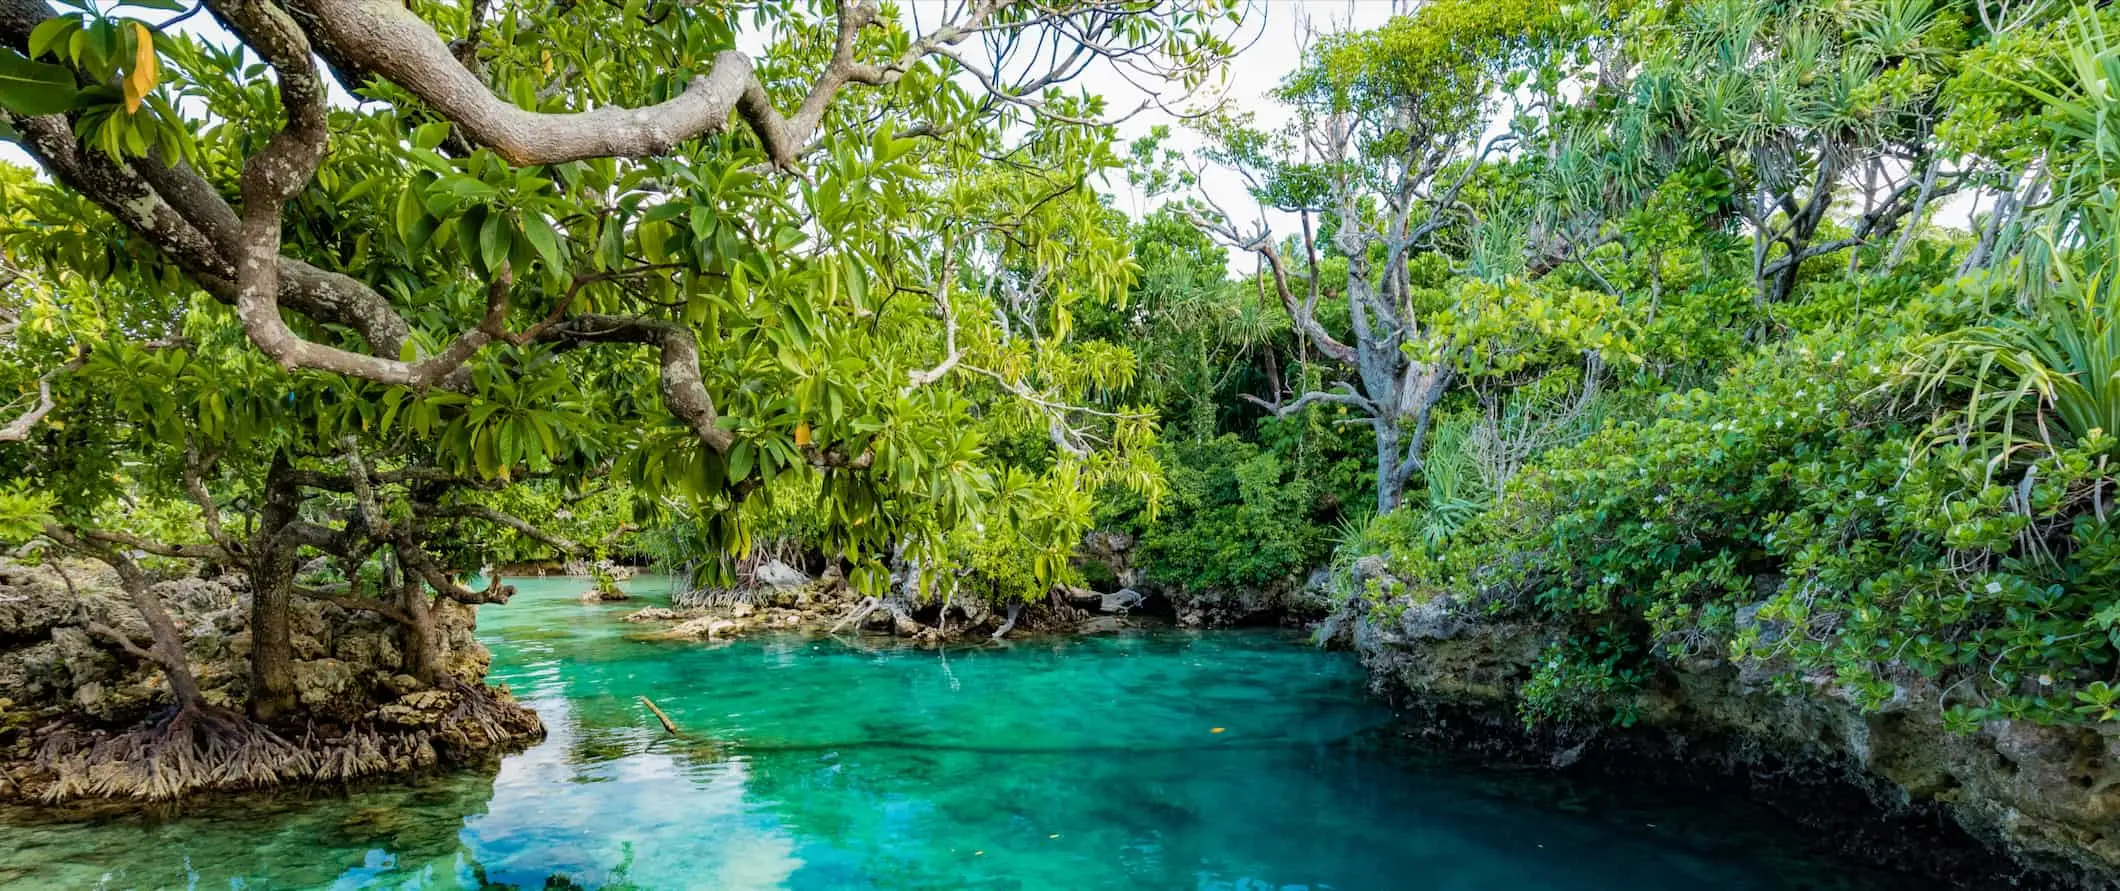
(1149, 759)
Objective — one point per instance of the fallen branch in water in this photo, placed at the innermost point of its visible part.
(659, 716)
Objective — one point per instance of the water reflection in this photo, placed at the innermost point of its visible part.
(1224, 761)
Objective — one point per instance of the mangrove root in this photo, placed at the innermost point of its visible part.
(193, 749)
(203, 749)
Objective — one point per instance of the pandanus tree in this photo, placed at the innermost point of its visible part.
(327, 285)
(1807, 128)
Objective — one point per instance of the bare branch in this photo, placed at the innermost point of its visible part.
(18, 429)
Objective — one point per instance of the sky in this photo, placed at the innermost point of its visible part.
(1271, 48)
(1271, 41)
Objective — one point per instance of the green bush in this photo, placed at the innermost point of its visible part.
(1798, 514)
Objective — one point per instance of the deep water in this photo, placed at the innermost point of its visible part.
(1215, 760)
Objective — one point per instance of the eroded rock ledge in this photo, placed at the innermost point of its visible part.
(77, 714)
(2009, 805)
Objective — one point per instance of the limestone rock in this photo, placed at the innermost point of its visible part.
(2048, 793)
(319, 681)
(708, 628)
(775, 574)
(423, 708)
(605, 594)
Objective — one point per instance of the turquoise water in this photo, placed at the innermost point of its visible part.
(1218, 760)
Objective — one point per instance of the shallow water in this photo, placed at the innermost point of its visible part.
(1218, 760)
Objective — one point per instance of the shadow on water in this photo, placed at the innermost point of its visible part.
(1232, 760)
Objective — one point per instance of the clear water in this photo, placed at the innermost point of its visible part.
(1219, 760)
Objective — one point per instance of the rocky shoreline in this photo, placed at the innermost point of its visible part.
(81, 719)
(2009, 805)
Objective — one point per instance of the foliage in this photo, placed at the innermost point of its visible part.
(1238, 516)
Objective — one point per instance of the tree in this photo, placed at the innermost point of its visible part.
(1390, 126)
(1792, 110)
(605, 203)
(268, 332)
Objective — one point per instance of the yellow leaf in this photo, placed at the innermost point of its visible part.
(146, 71)
(802, 434)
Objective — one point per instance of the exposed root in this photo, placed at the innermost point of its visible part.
(483, 719)
(191, 750)
(856, 615)
(1015, 611)
(205, 749)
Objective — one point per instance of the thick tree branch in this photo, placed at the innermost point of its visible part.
(684, 392)
(1347, 397)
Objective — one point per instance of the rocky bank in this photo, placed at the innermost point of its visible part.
(68, 694)
(2042, 803)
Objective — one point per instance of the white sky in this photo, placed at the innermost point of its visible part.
(1271, 43)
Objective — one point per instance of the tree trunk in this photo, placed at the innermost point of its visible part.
(1391, 481)
(272, 586)
(168, 644)
(423, 637)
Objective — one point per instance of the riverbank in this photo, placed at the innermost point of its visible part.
(2008, 805)
(82, 719)
(1144, 758)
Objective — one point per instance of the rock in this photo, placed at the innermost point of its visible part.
(1121, 600)
(775, 574)
(1115, 551)
(400, 684)
(653, 614)
(2049, 794)
(604, 594)
(741, 610)
(317, 682)
(707, 628)
(60, 682)
(1079, 597)
(424, 708)
(33, 601)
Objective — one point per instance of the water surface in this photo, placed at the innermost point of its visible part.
(1217, 760)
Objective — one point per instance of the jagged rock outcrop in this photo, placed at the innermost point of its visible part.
(2047, 796)
(1284, 603)
(68, 695)
(1288, 602)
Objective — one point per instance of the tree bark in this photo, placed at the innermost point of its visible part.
(1391, 478)
(272, 564)
(422, 639)
(167, 647)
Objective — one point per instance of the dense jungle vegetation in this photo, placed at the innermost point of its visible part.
(1778, 330)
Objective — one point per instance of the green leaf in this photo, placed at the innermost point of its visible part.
(410, 213)
(35, 88)
(51, 34)
(493, 241)
(740, 456)
(545, 239)
(430, 135)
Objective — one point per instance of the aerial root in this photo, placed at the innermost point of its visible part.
(193, 749)
(203, 748)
